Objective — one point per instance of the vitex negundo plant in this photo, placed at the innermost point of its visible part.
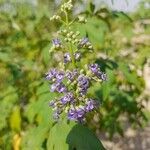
(69, 80)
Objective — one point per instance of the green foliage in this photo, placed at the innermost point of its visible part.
(72, 137)
(24, 97)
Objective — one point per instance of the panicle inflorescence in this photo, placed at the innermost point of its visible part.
(72, 82)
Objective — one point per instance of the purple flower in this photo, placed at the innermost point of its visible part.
(91, 105)
(58, 87)
(56, 115)
(51, 74)
(69, 97)
(61, 88)
(60, 76)
(83, 83)
(56, 42)
(101, 76)
(77, 56)
(76, 114)
(54, 87)
(83, 42)
(75, 72)
(94, 68)
(71, 75)
(57, 112)
(52, 103)
(67, 58)
(83, 91)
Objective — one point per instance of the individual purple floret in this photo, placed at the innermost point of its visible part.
(75, 72)
(83, 83)
(94, 68)
(69, 97)
(67, 58)
(52, 103)
(58, 87)
(60, 76)
(62, 89)
(71, 75)
(83, 91)
(56, 113)
(56, 116)
(54, 87)
(56, 42)
(76, 114)
(77, 56)
(101, 76)
(96, 71)
(51, 74)
(83, 42)
(91, 105)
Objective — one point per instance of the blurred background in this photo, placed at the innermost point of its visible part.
(120, 33)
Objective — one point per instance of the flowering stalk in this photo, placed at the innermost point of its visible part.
(71, 82)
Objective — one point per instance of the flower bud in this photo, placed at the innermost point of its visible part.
(82, 19)
(77, 33)
(73, 36)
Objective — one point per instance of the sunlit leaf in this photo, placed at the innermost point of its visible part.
(15, 119)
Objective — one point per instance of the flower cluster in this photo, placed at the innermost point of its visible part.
(70, 82)
(97, 72)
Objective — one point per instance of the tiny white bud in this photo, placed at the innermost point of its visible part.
(90, 47)
(76, 40)
(77, 33)
(69, 39)
(65, 31)
(68, 35)
(74, 36)
(66, 39)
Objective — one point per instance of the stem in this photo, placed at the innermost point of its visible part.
(67, 20)
(70, 44)
(72, 56)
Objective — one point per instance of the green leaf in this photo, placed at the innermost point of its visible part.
(67, 136)
(57, 136)
(92, 7)
(15, 119)
(9, 98)
(108, 85)
(4, 57)
(81, 138)
(39, 110)
(34, 138)
(130, 76)
(45, 54)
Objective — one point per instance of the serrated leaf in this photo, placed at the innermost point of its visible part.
(39, 110)
(57, 136)
(34, 138)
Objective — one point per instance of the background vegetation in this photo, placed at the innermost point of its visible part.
(121, 43)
